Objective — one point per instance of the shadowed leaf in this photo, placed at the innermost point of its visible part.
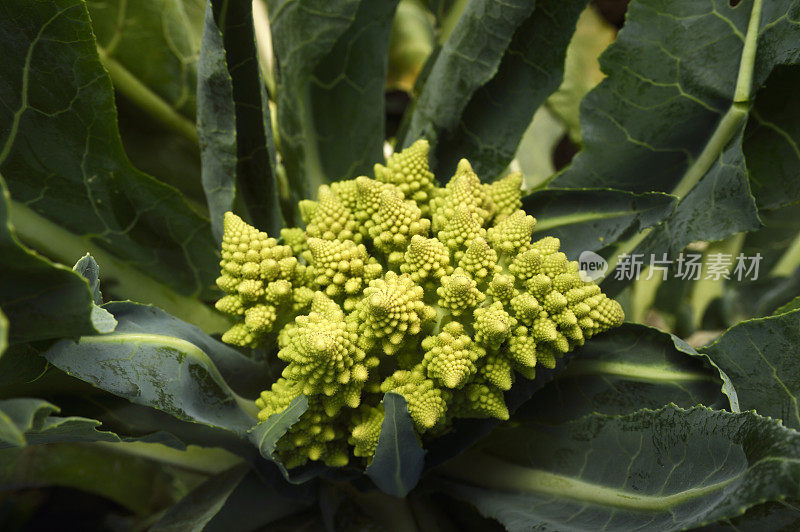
(29, 422)
(760, 357)
(592, 219)
(196, 509)
(41, 300)
(488, 129)
(237, 148)
(331, 64)
(399, 458)
(627, 369)
(73, 186)
(670, 469)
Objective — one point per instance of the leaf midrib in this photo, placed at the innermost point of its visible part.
(577, 218)
(502, 475)
(26, 69)
(150, 102)
(62, 245)
(726, 128)
(178, 344)
(290, 410)
(634, 371)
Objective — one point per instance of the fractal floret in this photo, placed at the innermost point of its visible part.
(396, 284)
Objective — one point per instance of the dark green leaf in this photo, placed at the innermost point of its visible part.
(88, 269)
(237, 148)
(243, 374)
(216, 123)
(643, 88)
(772, 138)
(627, 369)
(193, 512)
(347, 94)
(670, 469)
(74, 189)
(760, 357)
(489, 128)
(332, 59)
(778, 515)
(470, 57)
(591, 219)
(134, 422)
(19, 363)
(665, 118)
(136, 483)
(266, 434)
(745, 300)
(157, 43)
(29, 422)
(159, 371)
(399, 457)
(42, 300)
(254, 504)
(161, 152)
(717, 305)
(719, 206)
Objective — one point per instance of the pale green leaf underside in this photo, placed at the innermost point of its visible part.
(244, 374)
(162, 372)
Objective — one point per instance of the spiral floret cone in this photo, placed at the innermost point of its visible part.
(397, 284)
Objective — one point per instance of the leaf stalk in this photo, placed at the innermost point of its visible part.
(66, 247)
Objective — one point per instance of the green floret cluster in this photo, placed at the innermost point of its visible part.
(399, 285)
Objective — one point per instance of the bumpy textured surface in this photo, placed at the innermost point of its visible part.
(398, 285)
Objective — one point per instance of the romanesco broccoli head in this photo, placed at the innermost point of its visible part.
(399, 285)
